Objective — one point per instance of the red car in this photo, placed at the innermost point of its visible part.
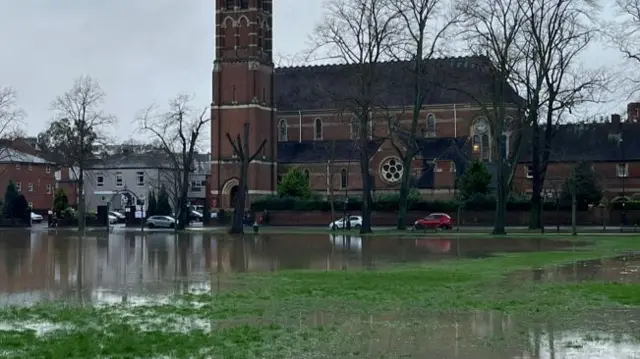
(434, 221)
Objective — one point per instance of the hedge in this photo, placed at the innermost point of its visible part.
(387, 204)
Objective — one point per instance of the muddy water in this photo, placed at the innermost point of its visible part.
(40, 266)
(622, 269)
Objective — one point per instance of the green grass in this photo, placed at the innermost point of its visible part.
(272, 315)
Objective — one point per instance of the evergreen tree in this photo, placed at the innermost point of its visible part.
(20, 207)
(475, 181)
(60, 202)
(588, 190)
(294, 184)
(10, 197)
(163, 206)
(151, 204)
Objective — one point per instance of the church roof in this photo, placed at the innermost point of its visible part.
(321, 151)
(447, 81)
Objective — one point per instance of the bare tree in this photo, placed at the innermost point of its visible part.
(624, 34)
(426, 23)
(494, 30)
(360, 33)
(557, 32)
(245, 157)
(10, 118)
(178, 133)
(78, 128)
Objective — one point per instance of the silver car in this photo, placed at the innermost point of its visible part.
(161, 222)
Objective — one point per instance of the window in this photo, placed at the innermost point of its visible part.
(431, 125)
(140, 178)
(486, 148)
(317, 129)
(29, 168)
(47, 169)
(244, 4)
(504, 146)
(48, 188)
(30, 187)
(622, 169)
(529, 171)
(100, 180)
(230, 4)
(19, 186)
(119, 182)
(343, 178)
(17, 167)
(282, 131)
(476, 144)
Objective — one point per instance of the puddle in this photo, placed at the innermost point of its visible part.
(621, 269)
(40, 328)
(130, 267)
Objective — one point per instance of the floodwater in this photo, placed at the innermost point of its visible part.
(43, 266)
(621, 269)
(135, 268)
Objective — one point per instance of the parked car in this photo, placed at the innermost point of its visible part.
(36, 218)
(354, 221)
(195, 215)
(434, 221)
(113, 219)
(119, 216)
(161, 221)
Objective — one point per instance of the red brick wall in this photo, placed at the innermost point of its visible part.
(36, 175)
(484, 218)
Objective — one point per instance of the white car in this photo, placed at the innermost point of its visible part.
(161, 221)
(113, 219)
(354, 221)
(36, 218)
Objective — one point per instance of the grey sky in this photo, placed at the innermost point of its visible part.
(141, 51)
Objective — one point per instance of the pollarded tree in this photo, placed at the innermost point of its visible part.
(294, 184)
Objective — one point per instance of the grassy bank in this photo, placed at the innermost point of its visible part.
(276, 315)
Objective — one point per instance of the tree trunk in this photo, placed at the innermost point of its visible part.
(367, 199)
(574, 230)
(237, 225)
(82, 211)
(499, 227)
(535, 219)
(403, 201)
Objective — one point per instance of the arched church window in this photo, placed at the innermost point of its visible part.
(317, 129)
(282, 131)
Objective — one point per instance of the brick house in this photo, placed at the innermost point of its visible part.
(610, 146)
(296, 110)
(32, 175)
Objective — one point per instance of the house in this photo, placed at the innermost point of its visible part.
(32, 175)
(127, 176)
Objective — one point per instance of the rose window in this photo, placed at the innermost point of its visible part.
(391, 170)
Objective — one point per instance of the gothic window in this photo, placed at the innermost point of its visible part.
(431, 125)
(481, 139)
(476, 144)
(282, 131)
(229, 4)
(391, 170)
(260, 34)
(343, 178)
(486, 148)
(244, 4)
(317, 129)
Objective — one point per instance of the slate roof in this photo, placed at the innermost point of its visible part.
(10, 155)
(441, 148)
(320, 151)
(448, 80)
(595, 142)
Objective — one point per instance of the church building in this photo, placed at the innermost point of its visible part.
(296, 110)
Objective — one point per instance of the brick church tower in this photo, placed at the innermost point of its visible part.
(243, 74)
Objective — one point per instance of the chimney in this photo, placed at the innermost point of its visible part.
(633, 112)
(615, 121)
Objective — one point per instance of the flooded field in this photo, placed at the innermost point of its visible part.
(122, 289)
(41, 266)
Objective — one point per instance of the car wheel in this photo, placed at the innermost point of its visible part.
(334, 227)
(151, 225)
(418, 226)
(172, 225)
(357, 227)
(445, 227)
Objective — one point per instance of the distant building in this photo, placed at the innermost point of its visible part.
(32, 175)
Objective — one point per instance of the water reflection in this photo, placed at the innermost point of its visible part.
(622, 269)
(131, 266)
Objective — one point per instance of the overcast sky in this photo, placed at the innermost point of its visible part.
(141, 51)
